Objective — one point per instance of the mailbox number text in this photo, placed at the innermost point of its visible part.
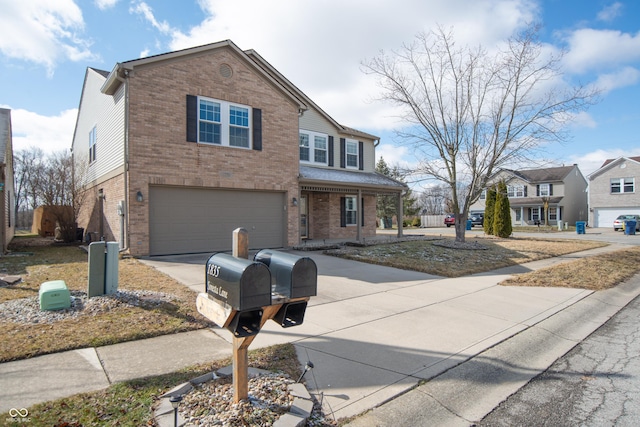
(213, 270)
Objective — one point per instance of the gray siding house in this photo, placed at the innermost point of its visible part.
(563, 190)
(613, 191)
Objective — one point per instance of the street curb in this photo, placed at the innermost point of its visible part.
(468, 392)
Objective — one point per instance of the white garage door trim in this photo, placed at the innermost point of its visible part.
(196, 220)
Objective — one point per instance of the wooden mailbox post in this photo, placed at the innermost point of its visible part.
(215, 303)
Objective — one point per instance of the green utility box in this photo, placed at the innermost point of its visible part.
(54, 295)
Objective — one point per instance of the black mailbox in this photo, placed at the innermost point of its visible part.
(291, 276)
(291, 314)
(238, 282)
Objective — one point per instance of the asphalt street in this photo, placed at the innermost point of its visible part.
(595, 384)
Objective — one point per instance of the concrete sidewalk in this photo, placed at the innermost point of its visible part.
(373, 333)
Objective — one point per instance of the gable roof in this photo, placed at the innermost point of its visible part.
(122, 69)
(298, 93)
(554, 174)
(609, 163)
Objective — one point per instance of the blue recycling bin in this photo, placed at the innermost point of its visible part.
(581, 227)
(469, 224)
(630, 227)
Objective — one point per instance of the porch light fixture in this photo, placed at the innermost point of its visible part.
(294, 201)
(139, 196)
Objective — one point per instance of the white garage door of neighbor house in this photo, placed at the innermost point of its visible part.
(604, 216)
(193, 220)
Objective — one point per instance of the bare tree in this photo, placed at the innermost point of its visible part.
(469, 111)
(29, 164)
(433, 199)
(51, 180)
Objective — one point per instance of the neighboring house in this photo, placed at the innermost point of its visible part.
(182, 148)
(563, 190)
(613, 190)
(7, 187)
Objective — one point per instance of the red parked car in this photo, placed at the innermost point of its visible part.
(449, 220)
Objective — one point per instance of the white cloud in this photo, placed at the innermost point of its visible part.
(145, 10)
(50, 133)
(591, 50)
(611, 12)
(626, 76)
(105, 4)
(43, 31)
(319, 45)
(592, 161)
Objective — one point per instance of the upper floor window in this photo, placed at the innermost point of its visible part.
(313, 147)
(93, 138)
(545, 190)
(515, 191)
(223, 123)
(622, 185)
(352, 154)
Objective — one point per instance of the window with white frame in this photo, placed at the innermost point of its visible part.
(351, 210)
(352, 153)
(545, 190)
(535, 214)
(622, 185)
(223, 123)
(93, 139)
(313, 147)
(304, 147)
(515, 191)
(554, 213)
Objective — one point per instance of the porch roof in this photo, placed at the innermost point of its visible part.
(533, 201)
(320, 179)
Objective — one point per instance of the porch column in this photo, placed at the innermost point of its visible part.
(399, 214)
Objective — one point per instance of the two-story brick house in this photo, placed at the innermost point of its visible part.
(184, 147)
(7, 188)
(562, 190)
(613, 191)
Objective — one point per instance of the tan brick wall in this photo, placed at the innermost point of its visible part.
(160, 155)
(89, 213)
(324, 217)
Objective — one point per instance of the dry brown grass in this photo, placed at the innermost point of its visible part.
(429, 256)
(69, 263)
(594, 273)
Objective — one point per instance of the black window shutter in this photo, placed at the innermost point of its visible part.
(525, 190)
(343, 152)
(362, 206)
(330, 150)
(343, 211)
(360, 155)
(537, 190)
(551, 189)
(257, 129)
(192, 118)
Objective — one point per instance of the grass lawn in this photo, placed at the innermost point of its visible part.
(436, 256)
(125, 322)
(130, 403)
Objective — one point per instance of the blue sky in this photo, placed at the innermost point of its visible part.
(45, 47)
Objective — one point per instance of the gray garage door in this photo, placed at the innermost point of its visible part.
(193, 220)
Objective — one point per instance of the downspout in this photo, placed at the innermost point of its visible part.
(124, 232)
(400, 213)
(359, 215)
